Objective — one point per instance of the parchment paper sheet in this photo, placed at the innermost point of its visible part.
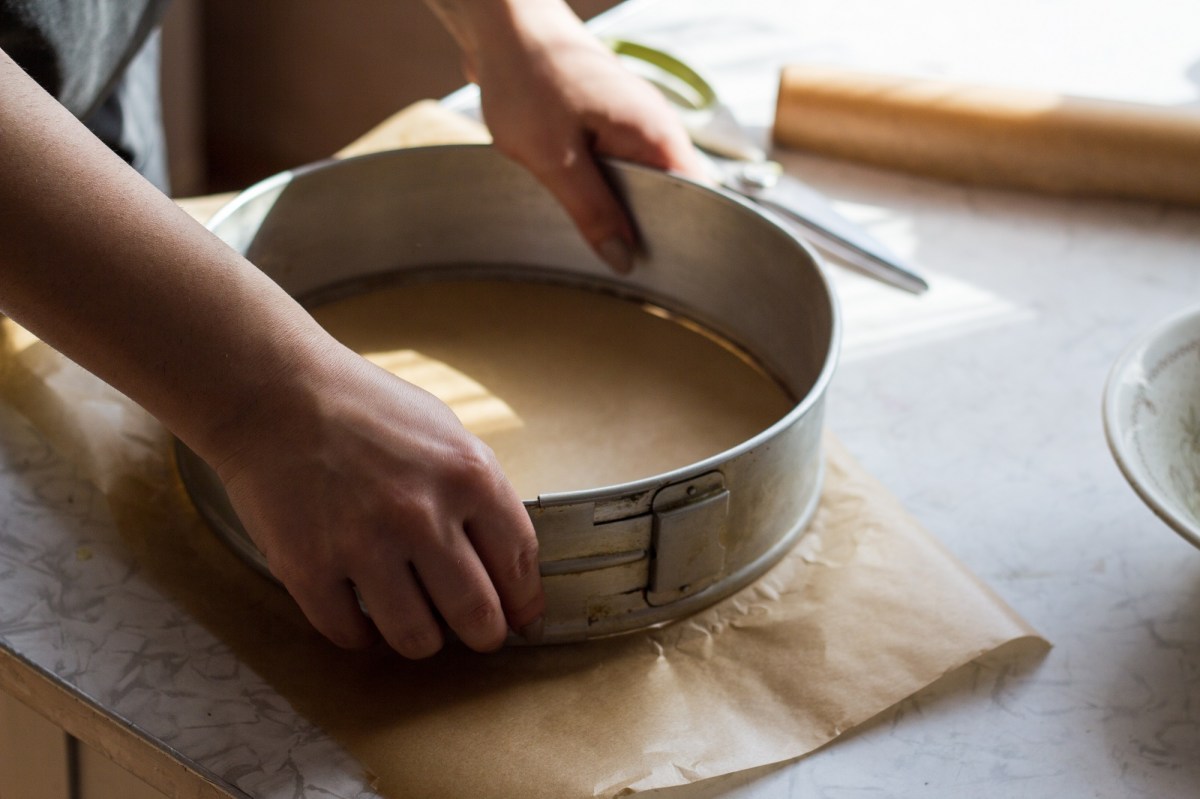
(867, 610)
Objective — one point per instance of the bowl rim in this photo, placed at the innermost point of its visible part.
(1131, 467)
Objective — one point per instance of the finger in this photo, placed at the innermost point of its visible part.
(682, 158)
(398, 607)
(333, 609)
(460, 587)
(575, 179)
(504, 538)
(666, 147)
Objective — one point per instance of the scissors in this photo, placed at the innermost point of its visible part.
(741, 166)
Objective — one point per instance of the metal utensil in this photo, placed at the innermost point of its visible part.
(740, 165)
(613, 558)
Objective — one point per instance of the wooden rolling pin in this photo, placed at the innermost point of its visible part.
(993, 136)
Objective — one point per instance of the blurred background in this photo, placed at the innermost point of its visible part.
(251, 89)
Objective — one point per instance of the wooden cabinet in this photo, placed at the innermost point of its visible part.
(40, 761)
(35, 756)
(100, 778)
(292, 81)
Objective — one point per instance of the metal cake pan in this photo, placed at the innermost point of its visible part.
(613, 558)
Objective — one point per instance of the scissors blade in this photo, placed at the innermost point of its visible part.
(821, 224)
(741, 165)
(715, 130)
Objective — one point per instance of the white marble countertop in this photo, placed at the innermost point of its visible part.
(977, 404)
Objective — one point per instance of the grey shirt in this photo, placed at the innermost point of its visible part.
(99, 58)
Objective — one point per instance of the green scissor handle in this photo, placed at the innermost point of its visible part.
(709, 123)
(699, 95)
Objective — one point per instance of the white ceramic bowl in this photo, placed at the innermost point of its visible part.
(1152, 420)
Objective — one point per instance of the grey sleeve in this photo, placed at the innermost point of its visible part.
(99, 58)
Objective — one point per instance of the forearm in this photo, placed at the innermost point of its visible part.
(106, 269)
(486, 27)
(358, 487)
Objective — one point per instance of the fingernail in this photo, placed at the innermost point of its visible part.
(617, 254)
(532, 632)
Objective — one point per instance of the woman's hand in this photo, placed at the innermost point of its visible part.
(555, 98)
(349, 479)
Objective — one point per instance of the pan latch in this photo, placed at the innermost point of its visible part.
(603, 561)
(687, 553)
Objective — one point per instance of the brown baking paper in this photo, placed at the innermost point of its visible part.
(992, 136)
(865, 611)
